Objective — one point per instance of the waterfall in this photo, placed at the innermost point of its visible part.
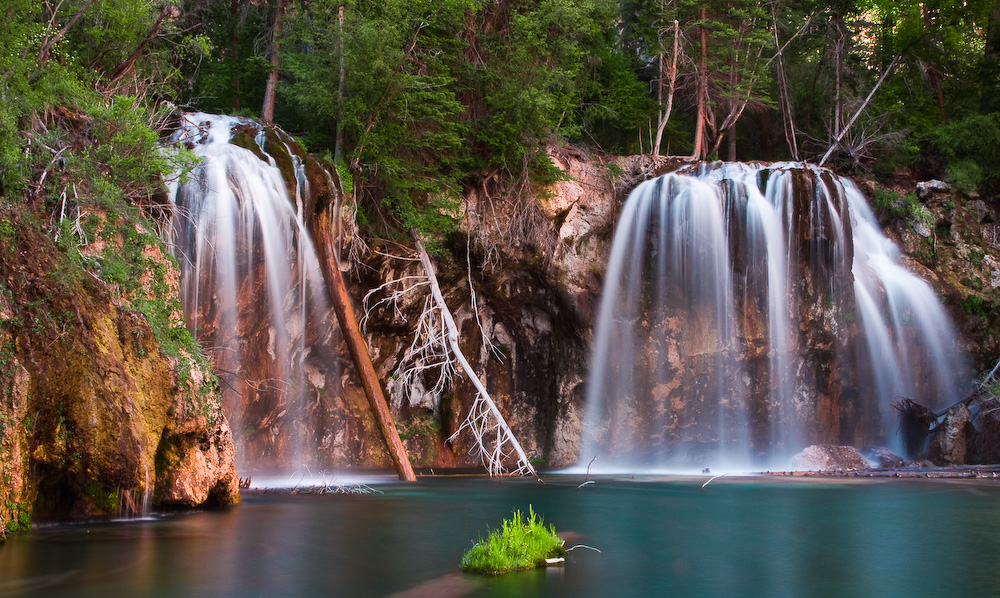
(749, 311)
(253, 291)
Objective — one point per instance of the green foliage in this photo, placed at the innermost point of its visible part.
(519, 544)
(888, 204)
(974, 305)
(20, 518)
(969, 150)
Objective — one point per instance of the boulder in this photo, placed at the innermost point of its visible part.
(882, 458)
(829, 457)
(927, 188)
(951, 441)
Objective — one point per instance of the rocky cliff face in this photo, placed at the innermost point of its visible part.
(952, 239)
(94, 417)
(523, 278)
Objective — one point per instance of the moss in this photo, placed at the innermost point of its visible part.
(14, 517)
(424, 424)
(103, 499)
(974, 305)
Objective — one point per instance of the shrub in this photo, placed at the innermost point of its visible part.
(970, 150)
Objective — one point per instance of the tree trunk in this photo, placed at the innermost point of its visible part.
(784, 96)
(338, 147)
(990, 99)
(838, 53)
(359, 350)
(992, 48)
(934, 80)
(698, 153)
(234, 14)
(126, 66)
(270, 90)
(671, 75)
(43, 52)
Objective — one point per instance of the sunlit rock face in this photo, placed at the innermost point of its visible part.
(750, 311)
(93, 409)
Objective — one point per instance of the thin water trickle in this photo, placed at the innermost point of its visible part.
(750, 311)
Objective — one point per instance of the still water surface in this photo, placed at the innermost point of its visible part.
(657, 537)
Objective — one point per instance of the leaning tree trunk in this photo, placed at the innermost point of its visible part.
(698, 153)
(836, 142)
(359, 350)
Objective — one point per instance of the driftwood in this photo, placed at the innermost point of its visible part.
(495, 441)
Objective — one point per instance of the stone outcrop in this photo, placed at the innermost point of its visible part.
(954, 243)
(90, 399)
(951, 442)
(828, 457)
(882, 458)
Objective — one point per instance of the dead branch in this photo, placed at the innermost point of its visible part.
(45, 50)
(434, 351)
(840, 135)
(495, 442)
(915, 420)
(129, 62)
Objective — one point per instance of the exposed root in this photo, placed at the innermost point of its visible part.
(915, 422)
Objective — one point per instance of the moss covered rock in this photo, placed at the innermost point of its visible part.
(89, 398)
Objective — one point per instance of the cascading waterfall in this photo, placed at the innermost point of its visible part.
(253, 292)
(749, 311)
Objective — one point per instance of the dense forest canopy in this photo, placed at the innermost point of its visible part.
(417, 100)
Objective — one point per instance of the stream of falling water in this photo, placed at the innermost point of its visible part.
(749, 311)
(251, 286)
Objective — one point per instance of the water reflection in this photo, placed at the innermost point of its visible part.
(736, 537)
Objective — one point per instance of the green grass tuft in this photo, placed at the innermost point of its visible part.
(518, 544)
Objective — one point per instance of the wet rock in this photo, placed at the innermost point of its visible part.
(829, 457)
(978, 207)
(90, 396)
(951, 441)
(921, 228)
(882, 458)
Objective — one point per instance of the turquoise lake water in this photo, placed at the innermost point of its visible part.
(657, 536)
